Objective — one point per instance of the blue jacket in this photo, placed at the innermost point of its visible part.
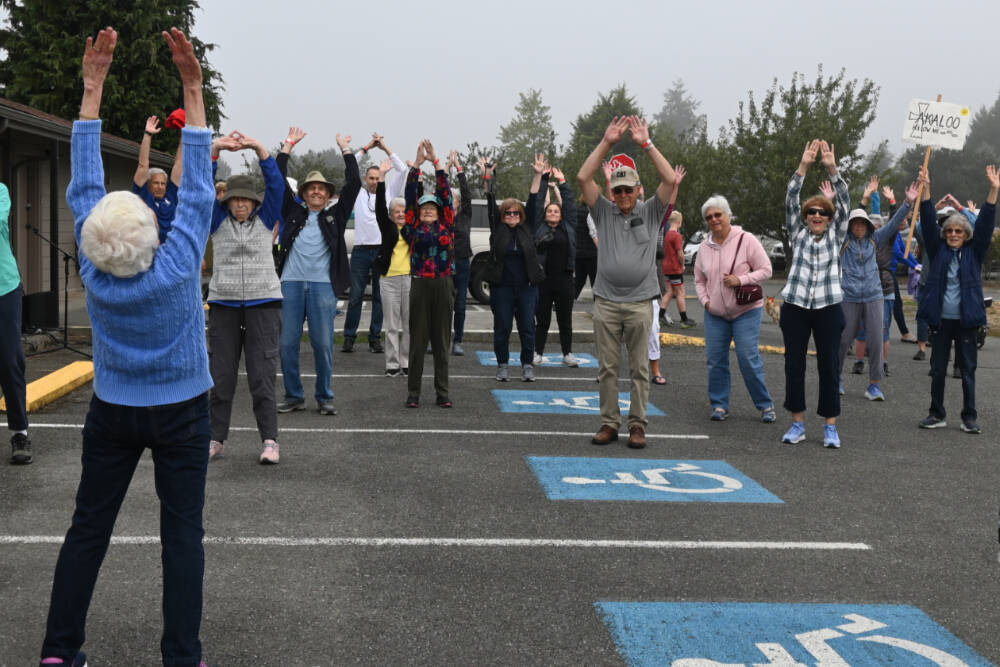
(970, 267)
(859, 277)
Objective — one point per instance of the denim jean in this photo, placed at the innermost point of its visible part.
(317, 303)
(114, 438)
(745, 331)
(509, 303)
(362, 260)
(966, 359)
(461, 278)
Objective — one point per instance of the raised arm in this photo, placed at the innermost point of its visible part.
(385, 223)
(640, 134)
(352, 176)
(842, 202)
(566, 200)
(274, 183)
(177, 171)
(612, 135)
(982, 233)
(142, 169)
(190, 71)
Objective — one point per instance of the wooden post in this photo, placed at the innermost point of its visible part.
(916, 203)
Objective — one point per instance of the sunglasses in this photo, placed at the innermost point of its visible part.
(955, 230)
(512, 212)
(622, 189)
(718, 215)
(819, 211)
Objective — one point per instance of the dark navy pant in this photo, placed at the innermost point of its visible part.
(12, 360)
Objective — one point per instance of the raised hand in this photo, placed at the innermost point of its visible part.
(295, 135)
(153, 125)
(889, 193)
(871, 186)
(183, 52)
(540, 165)
(429, 150)
(344, 143)
(558, 174)
(616, 129)
(811, 152)
(453, 159)
(97, 57)
(911, 192)
(227, 143)
(827, 157)
(421, 155)
(993, 176)
(639, 129)
(924, 181)
(681, 173)
(384, 168)
(971, 205)
(826, 187)
(941, 203)
(606, 168)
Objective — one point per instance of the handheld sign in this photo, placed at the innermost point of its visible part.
(622, 160)
(936, 124)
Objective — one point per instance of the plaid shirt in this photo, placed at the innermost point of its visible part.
(814, 277)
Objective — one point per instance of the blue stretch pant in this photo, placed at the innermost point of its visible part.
(317, 303)
(966, 359)
(745, 332)
(12, 360)
(510, 303)
(461, 279)
(362, 261)
(114, 438)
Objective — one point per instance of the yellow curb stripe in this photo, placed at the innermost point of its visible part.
(694, 341)
(57, 384)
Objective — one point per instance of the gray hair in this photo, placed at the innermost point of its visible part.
(153, 171)
(716, 201)
(120, 236)
(397, 201)
(957, 220)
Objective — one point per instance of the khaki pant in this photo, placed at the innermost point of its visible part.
(616, 323)
(432, 302)
(396, 320)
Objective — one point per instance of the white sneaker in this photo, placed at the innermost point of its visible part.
(270, 453)
(570, 360)
(537, 359)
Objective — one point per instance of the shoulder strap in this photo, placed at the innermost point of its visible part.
(740, 243)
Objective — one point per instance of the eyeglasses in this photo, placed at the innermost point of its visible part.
(718, 215)
(512, 212)
(955, 230)
(819, 211)
(622, 189)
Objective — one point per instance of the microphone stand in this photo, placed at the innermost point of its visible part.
(66, 260)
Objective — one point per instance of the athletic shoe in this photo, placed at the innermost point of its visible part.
(885, 368)
(326, 407)
(665, 320)
(20, 449)
(456, 349)
(831, 438)
(348, 345)
(375, 345)
(291, 404)
(391, 372)
(859, 367)
(215, 450)
(970, 426)
(797, 433)
(503, 374)
(537, 359)
(570, 360)
(841, 387)
(768, 415)
(270, 454)
(873, 393)
(956, 372)
(920, 355)
(719, 415)
(930, 421)
(528, 373)
(688, 323)
(79, 661)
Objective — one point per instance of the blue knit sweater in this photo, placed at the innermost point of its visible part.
(148, 330)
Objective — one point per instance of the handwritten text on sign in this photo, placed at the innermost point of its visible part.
(936, 124)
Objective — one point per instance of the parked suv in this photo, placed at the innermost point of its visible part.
(775, 251)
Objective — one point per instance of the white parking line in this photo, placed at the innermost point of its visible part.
(501, 542)
(424, 431)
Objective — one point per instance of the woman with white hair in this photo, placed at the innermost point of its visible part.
(729, 258)
(152, 184)
(393, 264)
(952, 301)
(151, 376)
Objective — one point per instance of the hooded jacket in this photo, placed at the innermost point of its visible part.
(712, 264)
(859, 271)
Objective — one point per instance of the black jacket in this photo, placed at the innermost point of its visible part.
(332, 222)
(388, 229)
(463, 220)
(568, 223)
(500, 235)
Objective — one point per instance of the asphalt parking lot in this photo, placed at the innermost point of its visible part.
(477, 536)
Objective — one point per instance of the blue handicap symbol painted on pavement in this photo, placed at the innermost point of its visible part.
(736, 634)
(561, 402)
(576, 478)
(551, 360)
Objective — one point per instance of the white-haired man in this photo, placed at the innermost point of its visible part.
(152, 184)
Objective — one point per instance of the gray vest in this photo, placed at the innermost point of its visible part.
(243, 266)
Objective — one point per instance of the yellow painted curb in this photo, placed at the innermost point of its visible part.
(677, 339)
(55, 385)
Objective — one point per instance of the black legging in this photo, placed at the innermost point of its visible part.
(557, 289)
(897, 309)
(585, 266)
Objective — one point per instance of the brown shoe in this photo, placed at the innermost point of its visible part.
(636, 437)
(605, 436)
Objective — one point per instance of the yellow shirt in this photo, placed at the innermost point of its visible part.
(400, 263)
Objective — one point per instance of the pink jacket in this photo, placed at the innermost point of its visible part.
(713, 262)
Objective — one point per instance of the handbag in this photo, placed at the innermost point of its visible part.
(745, 293)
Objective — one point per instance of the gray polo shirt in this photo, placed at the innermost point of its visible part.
(626, 254)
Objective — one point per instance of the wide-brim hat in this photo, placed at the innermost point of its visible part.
(626, 176)
(316, 177)
(241, 186)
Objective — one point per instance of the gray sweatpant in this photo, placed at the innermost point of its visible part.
(871, 313)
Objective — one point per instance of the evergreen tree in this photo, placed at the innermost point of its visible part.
(528, 132)
(680, 113)
(42, 68)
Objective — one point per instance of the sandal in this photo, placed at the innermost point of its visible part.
(659, 379)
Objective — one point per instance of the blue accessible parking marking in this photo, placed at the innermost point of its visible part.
(553, 360)
(576, 478)
(561, 402)
(705, 634)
